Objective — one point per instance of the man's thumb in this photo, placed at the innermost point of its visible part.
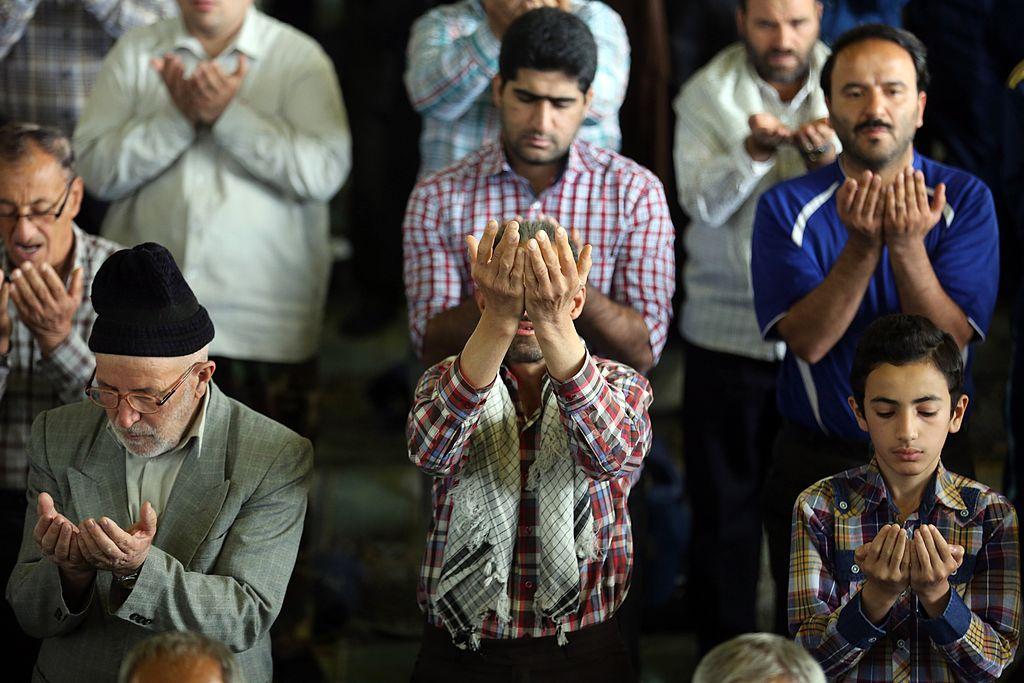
(147, 519)
(45, 504)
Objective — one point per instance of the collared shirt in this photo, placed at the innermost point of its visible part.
(29, 383)
(798, 238)
(973, 639)
(604, 411)
(617, 205)
(52, 50)
(452, 58)
(241, 205)
(152, 478)
(719, 185)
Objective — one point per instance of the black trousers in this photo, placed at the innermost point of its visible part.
(802, 457)
(729, 423)
(20, 650)
(594, 654)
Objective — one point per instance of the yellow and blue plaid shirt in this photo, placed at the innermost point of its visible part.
(977, 634)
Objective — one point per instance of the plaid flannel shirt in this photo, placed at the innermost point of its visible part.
(453, 56)
(29, 383)
(604, 411)
(51, 52)
(617, 205)
(973, 639)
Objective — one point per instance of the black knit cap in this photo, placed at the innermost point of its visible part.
(144, 307)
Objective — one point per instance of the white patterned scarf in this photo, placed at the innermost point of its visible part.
(482, 530)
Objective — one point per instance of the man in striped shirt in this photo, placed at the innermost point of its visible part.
(531, 441)
(539, 168)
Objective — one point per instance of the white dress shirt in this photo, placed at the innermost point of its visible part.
(241, 205)
(152, 478)
(719, 185)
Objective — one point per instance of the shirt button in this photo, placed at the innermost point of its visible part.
(855, 569)
(843, 505)
(528, 584)
(963, 513)
(528, 530)
(901, 643)
(872, 639)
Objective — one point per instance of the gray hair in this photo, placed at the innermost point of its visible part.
(758, 658)
(15, 139)
(529, 230)
(181, 645)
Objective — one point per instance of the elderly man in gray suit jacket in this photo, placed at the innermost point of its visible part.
(160, 504)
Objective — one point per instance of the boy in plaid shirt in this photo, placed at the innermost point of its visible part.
(902, 570)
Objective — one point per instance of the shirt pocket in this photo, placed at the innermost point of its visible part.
(847, 569)
(971, 537)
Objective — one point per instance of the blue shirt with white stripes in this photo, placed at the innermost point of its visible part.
(798, 238)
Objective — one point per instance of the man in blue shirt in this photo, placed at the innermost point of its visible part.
(882, 230)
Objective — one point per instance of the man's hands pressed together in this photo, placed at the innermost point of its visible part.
(79, 551)
(204, 96)
(524, 288)
(44, 305)
(501, 13)
(812, 139)
(891, 563)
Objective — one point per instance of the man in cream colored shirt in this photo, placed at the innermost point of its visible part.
(750, 118)
(159, 504)
(222, 135)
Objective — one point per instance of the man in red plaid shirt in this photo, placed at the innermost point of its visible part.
(538, 168)
(530, 440)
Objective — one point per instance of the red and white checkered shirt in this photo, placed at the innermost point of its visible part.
(604, 410)
(29, 383)
(617, 206)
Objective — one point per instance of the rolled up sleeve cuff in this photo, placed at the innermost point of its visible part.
(952, 624)
(459, 396)
(855, 627)
(581, 389)
(487, 47)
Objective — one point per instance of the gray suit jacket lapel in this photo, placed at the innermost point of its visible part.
(200, 488)
(97, 485)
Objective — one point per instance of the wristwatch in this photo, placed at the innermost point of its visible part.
(127, 581)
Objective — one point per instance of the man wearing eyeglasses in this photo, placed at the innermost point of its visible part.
(46, 267)
(159, 504)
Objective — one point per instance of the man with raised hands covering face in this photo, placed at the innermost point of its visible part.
(531, 440)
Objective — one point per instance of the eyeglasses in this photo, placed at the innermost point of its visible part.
(138, 401)
(41, 218)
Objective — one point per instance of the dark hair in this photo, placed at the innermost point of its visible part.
(548, 39)
(905, 39)
(15, 139)
(900, 339)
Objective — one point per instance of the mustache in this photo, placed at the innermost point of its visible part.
(781, 53)
(872, 123)
(136, 430)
